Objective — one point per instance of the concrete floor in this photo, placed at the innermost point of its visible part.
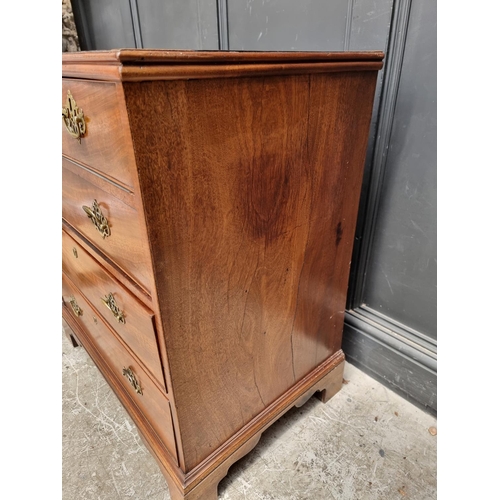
(366, 443)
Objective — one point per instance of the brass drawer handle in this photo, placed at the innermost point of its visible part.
(73, 118)
(74, 305)
(110, 303)
(127, 372)
(100, 222)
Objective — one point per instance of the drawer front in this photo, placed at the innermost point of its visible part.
(152, 403)
(106, 145)
(133, 322)
(121, 239)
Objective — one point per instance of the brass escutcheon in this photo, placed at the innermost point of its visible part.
(73, 118)
(100, 222)
(75, 253)
(127, 372)
(76, 308)
(110, 303)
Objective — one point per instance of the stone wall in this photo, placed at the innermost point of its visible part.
(69, 34)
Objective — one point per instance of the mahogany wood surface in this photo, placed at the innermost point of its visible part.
(318, 380)
(106, 146)
(168, 72)
(143, 65)
(161, 56)
(127, 244)
(102, 182)
(96, 283)
(207, 489)
(157, 448)
(258, 190)
(154, 405)
(231, 184)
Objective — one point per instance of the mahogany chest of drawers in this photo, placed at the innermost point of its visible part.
(209, 209)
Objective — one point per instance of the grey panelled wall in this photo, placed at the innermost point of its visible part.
(190, 24)
(390, 327)
(115, 24)
(103, 24)
(286, 25)
(309, 24)
(401, 273)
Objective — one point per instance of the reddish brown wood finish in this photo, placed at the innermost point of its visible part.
(207, 489)
(326, 377)
(158, 72)
(153, 404)
(211, 57)
(106, 146)
(233, 209)
(258, 187)
(122, 193)
(132, 65)
(96, 283)
(127, 246)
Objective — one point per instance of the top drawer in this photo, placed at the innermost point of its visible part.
(106, 146)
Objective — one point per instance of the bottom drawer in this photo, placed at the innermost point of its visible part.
(152, 403)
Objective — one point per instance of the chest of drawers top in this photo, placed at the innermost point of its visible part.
(143, 65)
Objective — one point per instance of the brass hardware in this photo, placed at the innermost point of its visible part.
(75, 253)
(127, 372)
(110, 303)
(73, 118)
(95, 319)
(100, 222)
(76, 308)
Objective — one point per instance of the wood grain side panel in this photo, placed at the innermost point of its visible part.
(249, 228)
(230, 255)
(339, 118)
(106, 147)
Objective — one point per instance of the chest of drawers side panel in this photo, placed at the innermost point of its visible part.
(250, 189)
